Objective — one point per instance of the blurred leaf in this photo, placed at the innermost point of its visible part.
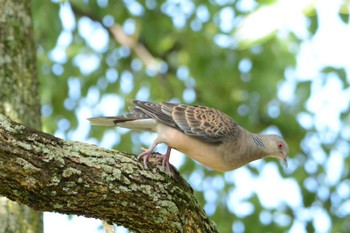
(241, 78)
(340, 72)
(313, 25)
(344, 17)
(303, 91)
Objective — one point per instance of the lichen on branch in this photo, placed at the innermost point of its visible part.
(50, 174)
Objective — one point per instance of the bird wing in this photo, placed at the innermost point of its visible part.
(155, 111)
(201, 122)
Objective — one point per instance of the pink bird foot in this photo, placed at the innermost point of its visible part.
(165, 157)
(165, 160)
(146, 153)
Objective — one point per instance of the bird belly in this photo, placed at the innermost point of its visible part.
(205, 153)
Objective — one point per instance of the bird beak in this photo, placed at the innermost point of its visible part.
(284, 160)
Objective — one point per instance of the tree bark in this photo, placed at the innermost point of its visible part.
(50, 174)
(19, 97)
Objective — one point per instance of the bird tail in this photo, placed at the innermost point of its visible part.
(136, 120)
(106, 121)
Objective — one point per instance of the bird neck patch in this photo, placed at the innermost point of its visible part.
(258, 141)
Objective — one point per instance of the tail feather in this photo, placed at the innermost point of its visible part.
(143, 117)
(106, 121)
(147, 124)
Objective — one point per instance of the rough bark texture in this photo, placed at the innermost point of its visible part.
(19, 98)
(51, 174)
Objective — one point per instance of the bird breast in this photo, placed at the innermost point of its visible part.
(209, 154)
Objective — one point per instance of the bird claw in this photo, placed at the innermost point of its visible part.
(145, 155)
(165, 162)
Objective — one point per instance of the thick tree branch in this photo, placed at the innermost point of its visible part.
(50, 174)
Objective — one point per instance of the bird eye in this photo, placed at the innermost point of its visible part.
(279, 146)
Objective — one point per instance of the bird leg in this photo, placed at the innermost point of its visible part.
(165, 157)
(165, 160)
(147, 152)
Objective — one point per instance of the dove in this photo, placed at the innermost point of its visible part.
(204, 134)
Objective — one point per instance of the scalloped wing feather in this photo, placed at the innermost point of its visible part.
(205, 123)
(202, 122)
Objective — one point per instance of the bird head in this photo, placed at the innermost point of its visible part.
(278, 148)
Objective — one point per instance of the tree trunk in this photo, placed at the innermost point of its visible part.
(50, 174)
(19, 97)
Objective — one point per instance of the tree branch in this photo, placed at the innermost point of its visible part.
(117, 33)
(50, 174)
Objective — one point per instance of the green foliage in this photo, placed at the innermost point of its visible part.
(179, 50)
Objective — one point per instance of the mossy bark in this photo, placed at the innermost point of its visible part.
(19, 97)
(50, 174)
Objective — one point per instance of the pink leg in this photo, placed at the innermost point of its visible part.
(144, 155)
(165, 157)
(165, 161)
